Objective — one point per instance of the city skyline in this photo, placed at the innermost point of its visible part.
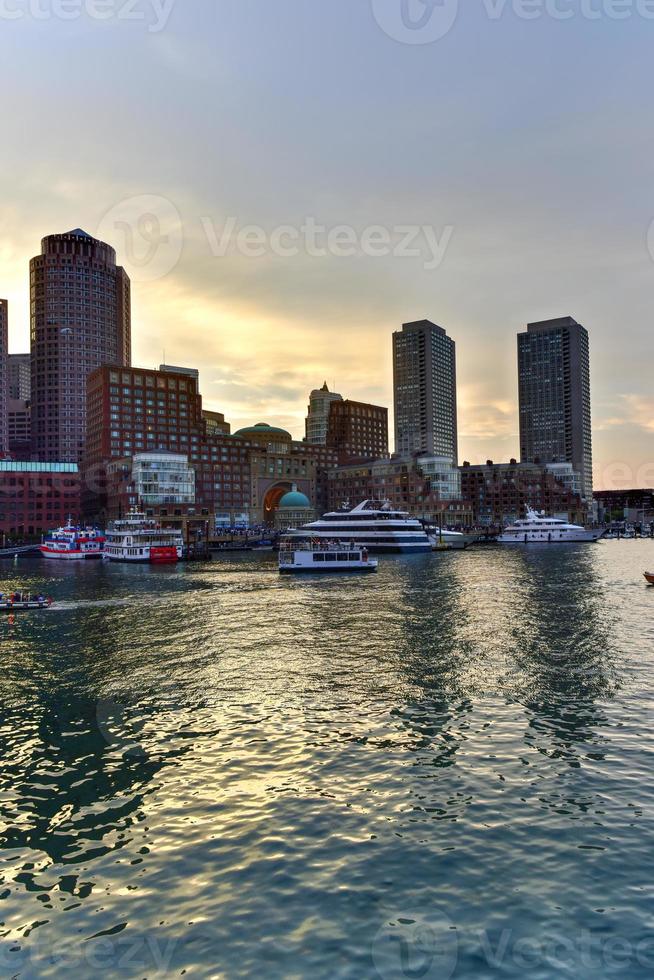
(397, 146)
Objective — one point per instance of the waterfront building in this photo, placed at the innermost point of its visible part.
(19, 428)
(499, 493)
(135, 410)
(424, 382)
(80, 319)
(635, 505)
(4, 377)
(20, 373)
(357, 430)
(36, 497)
(405, 485)
(239, 479)
(554, 393)
(317, 420)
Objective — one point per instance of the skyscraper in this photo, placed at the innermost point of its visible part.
(19, 376)
(317, 421)
(554, 389)
(424, 380)
(80, 319)
(4, 377)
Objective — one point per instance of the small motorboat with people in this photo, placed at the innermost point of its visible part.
(321, 556)
(23, 601)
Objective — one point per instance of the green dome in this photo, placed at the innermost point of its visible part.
(263, 429)
(294, 500)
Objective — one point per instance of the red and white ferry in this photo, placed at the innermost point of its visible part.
(73, 543)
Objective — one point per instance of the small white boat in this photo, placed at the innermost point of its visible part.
(322, 557)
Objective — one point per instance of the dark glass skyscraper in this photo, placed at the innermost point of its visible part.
(80, 319)
(554, 389)
(424, 381)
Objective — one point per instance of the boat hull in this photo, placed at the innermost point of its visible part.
(576, 539)
(371, 569)
(12, 607)
(70, 555)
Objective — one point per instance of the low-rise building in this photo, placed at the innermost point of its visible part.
(36, 497)
(421, 492)
(499, 493)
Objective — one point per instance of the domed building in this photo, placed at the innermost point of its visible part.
(294, 510)
(271, 439)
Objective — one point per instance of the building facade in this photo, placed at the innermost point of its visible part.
(239, 479)
(19, 429)
(20, 373)
(80, 319)
(35, 497)
(554, 394)
(499, 493)
(404, 484)
(356, 430)
(4, 377)
(317, 420)
(424, 383)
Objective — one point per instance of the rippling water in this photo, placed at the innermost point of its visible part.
(442, 770)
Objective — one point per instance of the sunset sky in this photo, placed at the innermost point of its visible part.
(524, 147)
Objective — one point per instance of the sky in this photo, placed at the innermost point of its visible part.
(288, 181)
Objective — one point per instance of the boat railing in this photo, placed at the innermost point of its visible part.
(319, 546)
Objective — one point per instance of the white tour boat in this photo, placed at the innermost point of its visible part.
(538, 529)
(371, 525)
(72, 543)
(324, 557)
(137, 538)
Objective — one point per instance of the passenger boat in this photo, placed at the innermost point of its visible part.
(23, 601)
(538, 529)
(650, 577)
(371, 525)
(138, 539)
(323, 558)
(73, 543)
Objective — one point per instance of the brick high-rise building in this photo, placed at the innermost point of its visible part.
(357, 430)
(20, 372)
(80, 319)
(4, 377)
(554, 389)
(424, 381)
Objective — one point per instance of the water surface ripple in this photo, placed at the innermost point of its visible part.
(441, 771)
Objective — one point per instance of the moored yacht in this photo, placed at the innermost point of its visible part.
(371, 525)
(72, 543)
(538, 529)
(137, 538)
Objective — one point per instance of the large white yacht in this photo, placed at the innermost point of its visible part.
(538, 529)
(371, 525)
(137, 538)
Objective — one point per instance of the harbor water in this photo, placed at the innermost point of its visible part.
(444, 770)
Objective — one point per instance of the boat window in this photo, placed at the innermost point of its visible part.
(342, 557)
(331, 557)
(318, 557)
(354, 557)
